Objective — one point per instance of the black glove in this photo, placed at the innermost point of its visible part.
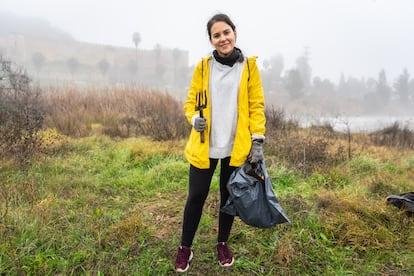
(200, 124)
(256, 152)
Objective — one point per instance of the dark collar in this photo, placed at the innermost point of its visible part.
(230, 60)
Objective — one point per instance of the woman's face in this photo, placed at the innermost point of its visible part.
(223, 38)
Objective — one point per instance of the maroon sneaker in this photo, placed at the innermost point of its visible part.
(225, 257)
(184, 256)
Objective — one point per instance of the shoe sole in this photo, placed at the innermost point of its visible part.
(228, 264)
(188, 266)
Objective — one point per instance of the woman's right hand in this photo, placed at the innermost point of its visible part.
(200, 124)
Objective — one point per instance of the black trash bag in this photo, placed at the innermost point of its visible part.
(252, 197)
(402, 201)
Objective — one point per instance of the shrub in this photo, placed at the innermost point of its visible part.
(21, 115)
(276, 120)
(305, 150)
(393, 136)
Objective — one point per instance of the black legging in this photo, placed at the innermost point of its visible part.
(199, 186)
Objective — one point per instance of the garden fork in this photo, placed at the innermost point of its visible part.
(201, 99)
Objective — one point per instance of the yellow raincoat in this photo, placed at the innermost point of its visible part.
(251, 117)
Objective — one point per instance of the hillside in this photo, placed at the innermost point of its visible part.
(22, 39)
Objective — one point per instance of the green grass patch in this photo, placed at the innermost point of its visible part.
(98, 206)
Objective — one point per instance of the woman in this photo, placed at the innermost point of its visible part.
(231, 130)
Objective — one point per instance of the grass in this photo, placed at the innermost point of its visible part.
(102, 206)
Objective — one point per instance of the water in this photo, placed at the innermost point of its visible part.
(361, 123)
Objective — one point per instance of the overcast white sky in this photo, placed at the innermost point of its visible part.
(354, 37)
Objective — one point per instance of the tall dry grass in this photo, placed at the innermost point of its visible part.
(305, 150)
(114, 111)
(394, 135)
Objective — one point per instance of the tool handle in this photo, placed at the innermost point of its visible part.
(201, 132)
(202, 136)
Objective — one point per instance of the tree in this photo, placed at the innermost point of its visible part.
(294, 83)
(342, 86)
(274, 67)
(402, 87)
(136, 38)
(322, 96)
(302, 65)
(383, 90)
(277, 64)
(353, 87)
(73, 65)
(323, 87)
(38, 60)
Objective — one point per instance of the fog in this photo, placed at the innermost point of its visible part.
(353, 37)
(328, 58)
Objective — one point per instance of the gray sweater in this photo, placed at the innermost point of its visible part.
(224, 89)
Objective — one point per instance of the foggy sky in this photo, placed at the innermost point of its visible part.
(354, 37)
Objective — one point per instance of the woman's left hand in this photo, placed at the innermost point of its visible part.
(256, 152)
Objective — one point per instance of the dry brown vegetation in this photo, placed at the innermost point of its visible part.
(116, 112)
(320, 147)
(21, 115)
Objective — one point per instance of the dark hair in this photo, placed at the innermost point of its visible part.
(221, 17)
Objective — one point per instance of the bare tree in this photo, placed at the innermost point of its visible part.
(21, 115)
